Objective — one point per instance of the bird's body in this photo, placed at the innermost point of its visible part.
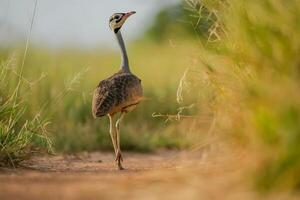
(119, 93)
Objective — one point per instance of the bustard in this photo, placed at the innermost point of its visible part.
(121, 92)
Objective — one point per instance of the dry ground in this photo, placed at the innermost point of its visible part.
(160, 175)
(82, 176)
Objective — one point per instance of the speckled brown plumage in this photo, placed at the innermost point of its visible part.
(118, 93)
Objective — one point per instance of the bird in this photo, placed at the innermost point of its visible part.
(120, 93)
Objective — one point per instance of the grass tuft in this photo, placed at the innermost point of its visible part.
(20, 135)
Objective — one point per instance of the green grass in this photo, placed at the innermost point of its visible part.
(251, 79)
(20, 135)
(72, 126)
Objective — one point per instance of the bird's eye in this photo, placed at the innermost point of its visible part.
(117, 17)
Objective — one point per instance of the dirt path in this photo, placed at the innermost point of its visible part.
(84, 176)
(162, 175)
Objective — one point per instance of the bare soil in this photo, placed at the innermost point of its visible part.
(82, 176)
(161, 175)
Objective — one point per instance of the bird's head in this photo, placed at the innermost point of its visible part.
(117, 20)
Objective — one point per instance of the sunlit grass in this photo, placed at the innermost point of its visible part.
(159, 66)
(20, 134)
(251, 76)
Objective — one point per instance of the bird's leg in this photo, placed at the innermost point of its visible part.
(112, 133)
(119, 157)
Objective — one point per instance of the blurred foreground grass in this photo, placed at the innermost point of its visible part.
(250, 77)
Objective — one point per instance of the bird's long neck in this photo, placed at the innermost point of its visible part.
(124, 61)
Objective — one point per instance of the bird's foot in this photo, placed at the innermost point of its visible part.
(120, 167)
(119, 156)
(119, 160)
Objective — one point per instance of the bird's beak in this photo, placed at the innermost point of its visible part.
(129, 14)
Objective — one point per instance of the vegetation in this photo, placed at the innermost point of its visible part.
(18, 131)
(181, 21)
(236, 84)
(250, 81)
(72, 125)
